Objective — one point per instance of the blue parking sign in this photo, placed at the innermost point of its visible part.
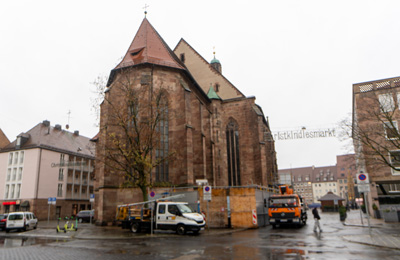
(51, 200)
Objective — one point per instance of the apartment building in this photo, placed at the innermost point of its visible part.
(312, 182)
(346, 177)
(376, 136)
(47, 162)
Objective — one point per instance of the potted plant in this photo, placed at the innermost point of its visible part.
(390, 215)
(377, 213)
(342, 213)
(363, 208)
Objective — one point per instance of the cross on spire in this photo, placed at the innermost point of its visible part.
(145, 9)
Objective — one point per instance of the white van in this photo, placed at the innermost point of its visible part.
(21, 221)
(168, 215)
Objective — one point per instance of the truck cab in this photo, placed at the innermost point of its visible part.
(286, 208)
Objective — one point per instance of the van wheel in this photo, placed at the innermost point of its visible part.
(135, 227)
(180, 230)
(35, 226)
(7, 230)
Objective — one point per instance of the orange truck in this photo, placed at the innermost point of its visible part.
(286, 208)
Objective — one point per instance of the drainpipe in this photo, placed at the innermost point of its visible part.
(38, 175)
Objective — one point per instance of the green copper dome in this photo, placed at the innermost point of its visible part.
(214, 61)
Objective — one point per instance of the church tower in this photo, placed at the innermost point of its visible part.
(216, 64)
(148, 68)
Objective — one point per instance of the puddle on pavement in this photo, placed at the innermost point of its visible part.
(26, 241)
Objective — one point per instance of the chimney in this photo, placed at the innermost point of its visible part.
(58, 127)
(46, 123)
(76, 132)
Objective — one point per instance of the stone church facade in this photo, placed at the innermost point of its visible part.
(217, 133)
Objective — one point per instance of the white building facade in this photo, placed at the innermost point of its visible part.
(47, 162)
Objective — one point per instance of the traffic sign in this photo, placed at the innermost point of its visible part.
(362, 178)
(152, 194)
(51, 200)
(91, 197)
(363, 188)
(207, 191)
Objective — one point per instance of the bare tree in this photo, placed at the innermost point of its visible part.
(133, 117)
(374, 131)
(100, 85)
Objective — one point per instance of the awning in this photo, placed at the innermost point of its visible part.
(9, 203)
(25, 203)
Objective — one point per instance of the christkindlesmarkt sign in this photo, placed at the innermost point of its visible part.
(68, 164)
(304, 134)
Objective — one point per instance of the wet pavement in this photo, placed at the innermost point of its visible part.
(379, 231)
(351, 239)
(90, 231)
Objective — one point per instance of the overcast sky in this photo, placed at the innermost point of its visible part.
(298, 58)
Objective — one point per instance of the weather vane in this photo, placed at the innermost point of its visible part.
(145, 9)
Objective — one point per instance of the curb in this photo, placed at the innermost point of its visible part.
(118, 234)
(359, 225)
(369, 244)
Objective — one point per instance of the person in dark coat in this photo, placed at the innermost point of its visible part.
(316, 220)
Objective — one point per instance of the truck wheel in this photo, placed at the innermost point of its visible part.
(135, 228)
(180, 230)
(273, 226)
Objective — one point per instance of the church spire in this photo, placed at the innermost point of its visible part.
(148, 48)
(216, 64)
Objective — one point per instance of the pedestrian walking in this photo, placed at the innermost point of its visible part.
(316, 220)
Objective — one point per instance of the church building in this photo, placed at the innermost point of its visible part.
(215, 132)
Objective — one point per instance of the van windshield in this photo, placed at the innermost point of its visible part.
(15, 217)
(183, 208)
(282, 202)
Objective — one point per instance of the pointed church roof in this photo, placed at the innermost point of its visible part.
(212, 94)
(149, 47)
(199, 66)
(3, 139)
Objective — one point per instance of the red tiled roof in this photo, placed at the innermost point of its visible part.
(149, 47)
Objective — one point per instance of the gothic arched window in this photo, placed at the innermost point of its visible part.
(162, 150)
(232, 151)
